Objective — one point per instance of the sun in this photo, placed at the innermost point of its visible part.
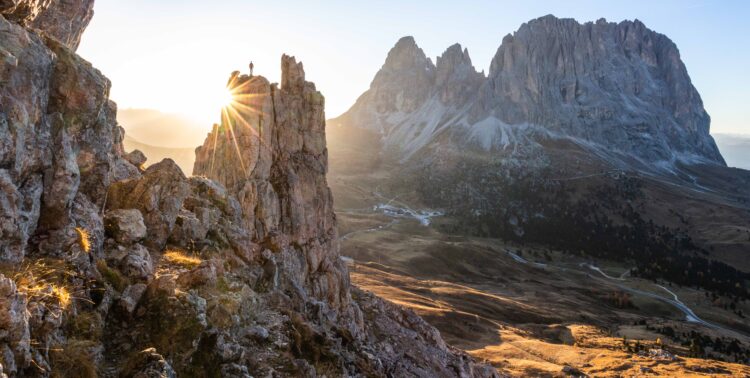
(227, 97)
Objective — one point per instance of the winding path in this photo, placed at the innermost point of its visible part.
(690, 316)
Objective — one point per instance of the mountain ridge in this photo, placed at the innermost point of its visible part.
(607, 86)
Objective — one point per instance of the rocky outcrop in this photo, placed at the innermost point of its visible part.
(114, 270)
(60, 146)
(64, 20)
(270, 153)
(158, 194)
(616, 89)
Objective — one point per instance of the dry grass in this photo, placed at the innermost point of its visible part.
(43, 282)
(180, 258)
(73, 360)
(84, 239)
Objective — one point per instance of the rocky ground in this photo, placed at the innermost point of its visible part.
(113, 269)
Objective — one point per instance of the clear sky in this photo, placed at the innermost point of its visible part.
(175, 55)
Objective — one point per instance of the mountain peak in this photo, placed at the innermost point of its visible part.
(406, 54)
(456, 78)
(618, 86)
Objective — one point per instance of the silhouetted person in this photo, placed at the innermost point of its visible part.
(251, 68)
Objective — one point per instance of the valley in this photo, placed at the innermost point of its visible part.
(526, 308)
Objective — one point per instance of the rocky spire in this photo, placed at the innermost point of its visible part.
(405, 80)
(270, 151)
(456, 78)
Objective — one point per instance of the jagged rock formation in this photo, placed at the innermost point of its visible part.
(610, 87)
(109, 269)
(270, 154)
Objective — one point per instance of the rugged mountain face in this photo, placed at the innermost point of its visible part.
(588, 138)
(613, 88)
(110, 269)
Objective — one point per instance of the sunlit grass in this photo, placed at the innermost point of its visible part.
(42, 283)
(180, 258)
(83, 239)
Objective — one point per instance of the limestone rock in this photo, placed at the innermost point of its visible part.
(23, 11)
(189, 230)
(148, 364)
(613, 88)
(126, 226)
(65, 20)
(59, 140)
(204, 274)
(158, 194)
(136, 157)
(131, 296)
(278, 171)
(137, 263)
(162, 286)
(14, 327)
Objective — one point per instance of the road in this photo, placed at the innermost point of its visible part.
(690, 316)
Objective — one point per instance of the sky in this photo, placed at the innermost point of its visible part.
(176, 55)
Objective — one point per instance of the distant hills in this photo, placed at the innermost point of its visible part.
(162, 135)
(156, 128)
(184, 157)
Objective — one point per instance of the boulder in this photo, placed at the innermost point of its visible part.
(125, 225)
(136, 157)
(137, 263)
(158, 194)
(188, 229)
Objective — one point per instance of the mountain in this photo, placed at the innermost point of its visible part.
(618, 90)
(570, 202)
(735, 148)
(565, 108)
(161, 129)
(109, 268)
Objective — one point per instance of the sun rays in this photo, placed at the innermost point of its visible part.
(240, 108)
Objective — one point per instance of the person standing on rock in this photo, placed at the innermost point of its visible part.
(251, 68)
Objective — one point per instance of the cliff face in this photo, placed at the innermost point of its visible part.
(607, 86)
(270, 152)
(618, 85)
(60, 146)
(115, 270)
